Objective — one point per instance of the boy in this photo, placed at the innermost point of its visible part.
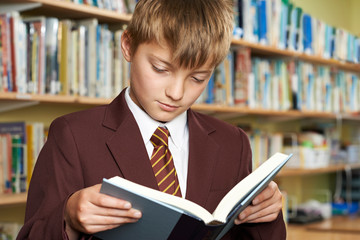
(173, 47)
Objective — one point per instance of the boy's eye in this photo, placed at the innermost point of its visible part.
(198, 80)
(157, 69)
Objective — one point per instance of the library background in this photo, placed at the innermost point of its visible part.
(291, 81)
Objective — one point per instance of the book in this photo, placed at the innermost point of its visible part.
(52, 85)
(5, 163)
(180, 218)
(88, 87)
(36, 28)
(17, 149)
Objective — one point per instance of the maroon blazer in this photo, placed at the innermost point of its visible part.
(105, 141)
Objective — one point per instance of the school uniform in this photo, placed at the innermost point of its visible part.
(84, 147)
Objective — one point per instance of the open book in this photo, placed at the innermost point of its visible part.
(168, 217)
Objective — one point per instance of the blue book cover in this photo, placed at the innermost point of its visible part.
(307, 33)
(283, 24)
(328, 38)
(262, 21)
(255, 22)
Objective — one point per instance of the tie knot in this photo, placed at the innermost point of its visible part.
(160, 137)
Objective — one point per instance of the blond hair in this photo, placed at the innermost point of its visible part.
(194, 30)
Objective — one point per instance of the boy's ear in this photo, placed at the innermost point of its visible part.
(126, 46)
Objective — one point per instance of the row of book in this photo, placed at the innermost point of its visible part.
(311, 148)
(50, 56)
(277, 84)
(283, 25)
(120, 6)
(20, 145)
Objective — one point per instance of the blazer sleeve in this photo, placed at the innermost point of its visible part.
(56, 176)
(274, 230)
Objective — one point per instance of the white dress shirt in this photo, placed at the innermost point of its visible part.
(178, 140)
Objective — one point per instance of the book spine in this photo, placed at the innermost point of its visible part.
(262, 21)
(5, 52)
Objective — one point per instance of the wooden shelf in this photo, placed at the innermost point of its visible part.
(288, 172)
(19, 100)
(273, 51)
(285, 115)
(12, 199)
(63, 9)
(47, 98)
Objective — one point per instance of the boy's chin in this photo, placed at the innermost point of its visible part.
(164, 119)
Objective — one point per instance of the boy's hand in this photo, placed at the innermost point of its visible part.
(90, 211)
(264, 208)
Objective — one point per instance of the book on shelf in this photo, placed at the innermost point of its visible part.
(52, 84)
(20, 144)
(5, 163)
(182, 218)
(15, 158)
(36, 55)
(88, 85)
(242, 68)
(262, 6)
(46, 55)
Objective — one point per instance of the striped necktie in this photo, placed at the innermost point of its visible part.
(162, 163)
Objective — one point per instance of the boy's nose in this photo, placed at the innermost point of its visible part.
(175, 90)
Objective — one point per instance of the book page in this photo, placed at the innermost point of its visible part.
(181, 203)
(249, 183)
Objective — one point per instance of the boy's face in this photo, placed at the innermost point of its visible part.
(160, 87)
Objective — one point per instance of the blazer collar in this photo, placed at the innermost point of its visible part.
(126, 146)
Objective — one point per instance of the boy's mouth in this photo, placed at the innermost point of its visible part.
(168, 107)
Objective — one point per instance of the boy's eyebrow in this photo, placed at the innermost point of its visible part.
(161, 60)
(208, 71)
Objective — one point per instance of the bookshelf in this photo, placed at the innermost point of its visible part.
(65, 9)
(12, 199)
(10, 101)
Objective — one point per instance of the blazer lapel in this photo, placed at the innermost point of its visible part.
(126, 144)
(203, 151)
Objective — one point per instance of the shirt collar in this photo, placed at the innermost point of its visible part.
(177, 127)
